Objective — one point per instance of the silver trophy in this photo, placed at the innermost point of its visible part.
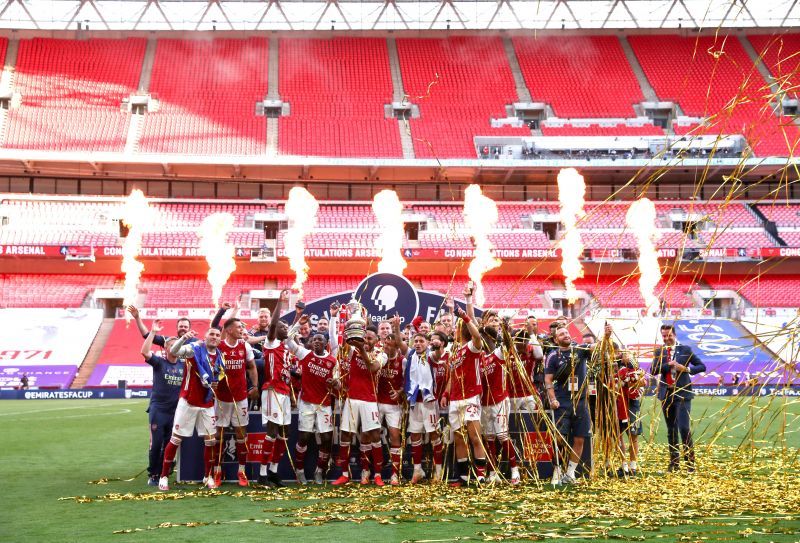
(356, 327)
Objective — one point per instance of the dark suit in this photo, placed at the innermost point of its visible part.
(676, 398)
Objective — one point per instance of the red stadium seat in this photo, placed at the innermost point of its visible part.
(207, 92)
(460, 84)
(72, 92)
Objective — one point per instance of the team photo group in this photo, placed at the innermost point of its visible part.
(422, 389)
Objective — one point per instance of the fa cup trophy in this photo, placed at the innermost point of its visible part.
(356, 326)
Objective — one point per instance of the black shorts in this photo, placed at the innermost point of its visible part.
(634, 422)
(573, 422)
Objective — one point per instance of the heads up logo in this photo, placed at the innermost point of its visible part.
(384, 294)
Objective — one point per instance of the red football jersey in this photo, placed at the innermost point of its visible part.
(520, 377)
(360, 381)
(390, 378)
(234, 387)
(315, 372)
(276, 367)
(493, 378)
(465, 373)
(192, 389)
(627, 377)
(441, 369)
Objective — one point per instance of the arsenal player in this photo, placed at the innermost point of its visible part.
(440, 360)
(464, 397)
(233, 393)
(423, 416)
(317, 369)
(522, 386)
(360, 364)
(390, 397)
(195, 410)
(495, 408)
(276, 404)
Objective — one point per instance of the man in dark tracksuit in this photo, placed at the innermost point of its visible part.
(167, 378)
(674, 365)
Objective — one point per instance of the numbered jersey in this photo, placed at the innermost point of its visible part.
(390, 378)
(276, 367)
(360, 381)
(465, 373)
(441, 370)
(234, 387)
(192, 389)
(493, 378)
(520, 376)
(315, 372)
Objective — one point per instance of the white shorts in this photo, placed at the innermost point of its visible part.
(232, 414)
(188, 417)
(354, 411)
(275, 408)
(313, 417)
(392, 414)
(423, 418)
(462, 411)
(528, 403)
(494, 418)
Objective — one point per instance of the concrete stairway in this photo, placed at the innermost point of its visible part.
(647, 89)
(398, 95)
(523, 94)
(93, 355)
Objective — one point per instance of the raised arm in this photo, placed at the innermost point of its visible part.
(220, 313)
(147, 346)
(299, 307)
(333, 329)
(295, 348)
(276, 315)
(469, 319)
(401, 342)
(179, 350)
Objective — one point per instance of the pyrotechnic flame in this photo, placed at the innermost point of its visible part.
(641, 218)
(571, 191)
(136, 216)
(480, 216)
(301, 210)
(389, 213)
(220, 255)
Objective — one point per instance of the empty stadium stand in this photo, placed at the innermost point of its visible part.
(336, 89)
(782, 214)
(72, 92)
(207, 92)
(713, 77)
(193, 290)
(176, 224)
(39, 290)
(779, 54)
(624, 291)
(460, 84)
(511, 292)
(760, 291)
(574, 75)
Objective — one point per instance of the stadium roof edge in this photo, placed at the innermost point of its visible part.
(294, 168)
(390, 15)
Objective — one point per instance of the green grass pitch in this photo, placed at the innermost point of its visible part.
(53, 449)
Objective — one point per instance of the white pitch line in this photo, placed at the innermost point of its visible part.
(32, 412)
(60, 417)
